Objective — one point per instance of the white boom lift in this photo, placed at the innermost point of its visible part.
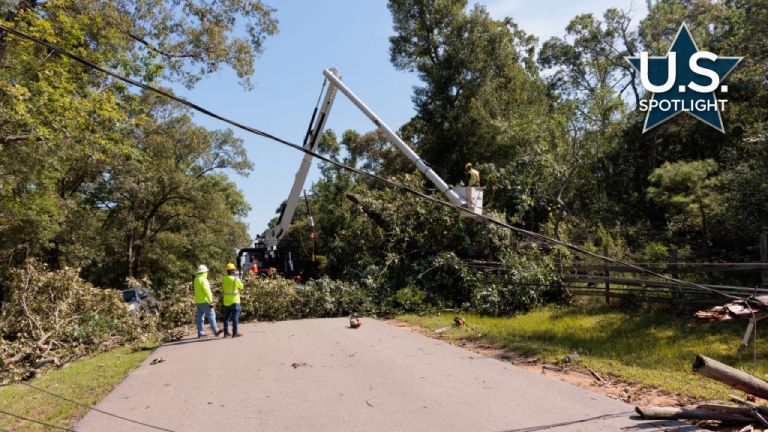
(470, 198)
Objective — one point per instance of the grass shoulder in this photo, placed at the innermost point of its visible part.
(644, 346)
(86, 381)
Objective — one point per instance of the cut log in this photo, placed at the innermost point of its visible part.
(674, 413)
(730, 376)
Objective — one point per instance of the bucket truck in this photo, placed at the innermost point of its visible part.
(268, 255)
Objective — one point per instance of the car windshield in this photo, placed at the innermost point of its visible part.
(129, 295)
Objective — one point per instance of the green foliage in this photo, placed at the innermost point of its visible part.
(526, 282)
(689, 190)
(98, 177)
(656, 253)
(325, 297)
(480, 96)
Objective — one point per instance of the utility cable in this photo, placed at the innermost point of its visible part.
(90, 407)
(567, 423)
(35, 421)
(482, 218)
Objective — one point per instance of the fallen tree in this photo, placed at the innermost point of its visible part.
(730, 376)
(53, 317)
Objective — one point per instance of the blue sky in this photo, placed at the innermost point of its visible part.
(351, 35)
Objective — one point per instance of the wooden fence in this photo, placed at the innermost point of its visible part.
(607, 280)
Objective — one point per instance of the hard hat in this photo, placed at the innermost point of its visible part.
(230, 266)
(468, 166)
(201, 269)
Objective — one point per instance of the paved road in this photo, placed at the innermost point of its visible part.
(319, 375)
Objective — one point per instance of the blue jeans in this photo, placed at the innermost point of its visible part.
(207, 310)
(233, 311)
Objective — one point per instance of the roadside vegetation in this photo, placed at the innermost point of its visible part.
(86, 381)
(647, 346)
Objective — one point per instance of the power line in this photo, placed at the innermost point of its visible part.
(35, 421)
(90, 407)
(566, 423)
(405, 188)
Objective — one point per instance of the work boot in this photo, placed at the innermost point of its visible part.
(218, 333)
(226, 334)
(237, 335)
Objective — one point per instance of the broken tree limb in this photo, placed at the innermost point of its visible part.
(761, 409)
(756, 415)
(595, 374)
(735, 310)
(729, 376)
(674, 413)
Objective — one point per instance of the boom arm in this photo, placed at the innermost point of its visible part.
(402, 146)
(272, 237)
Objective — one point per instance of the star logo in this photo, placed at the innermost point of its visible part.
(683, 81)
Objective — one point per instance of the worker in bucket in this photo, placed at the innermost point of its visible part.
(231, 285)
(472, 177)
(204, 299)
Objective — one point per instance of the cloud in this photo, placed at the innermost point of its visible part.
(547, 18)
(503, 8)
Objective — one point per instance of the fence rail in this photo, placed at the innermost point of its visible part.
(595, 280)
(661, 291)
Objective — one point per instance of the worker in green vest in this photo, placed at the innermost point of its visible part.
(203, 299)
(231, 285)
(472, 177)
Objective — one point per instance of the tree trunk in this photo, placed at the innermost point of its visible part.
(730, 376)
(674, 413)
(130, 256)
(705, 231)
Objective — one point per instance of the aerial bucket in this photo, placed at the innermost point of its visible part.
(474, 198)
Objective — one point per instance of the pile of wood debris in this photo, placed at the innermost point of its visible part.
(748, 415)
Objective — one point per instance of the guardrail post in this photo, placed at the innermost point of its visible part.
(764, 258)
(607, 274)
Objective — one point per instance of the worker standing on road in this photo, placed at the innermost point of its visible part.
(203, 299)
(472, 177)
(231, 285)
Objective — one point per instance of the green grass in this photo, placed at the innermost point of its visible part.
(638, 345)
(86, 381)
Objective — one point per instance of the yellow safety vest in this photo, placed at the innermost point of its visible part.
(474, 178)
(203, 289)
(231, 287)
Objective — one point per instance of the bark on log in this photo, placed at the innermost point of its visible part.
(732, 377)
(725, 408)
(673, 413)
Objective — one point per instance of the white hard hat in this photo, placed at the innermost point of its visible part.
(202, 269)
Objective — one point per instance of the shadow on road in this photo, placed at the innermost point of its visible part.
(189, 341)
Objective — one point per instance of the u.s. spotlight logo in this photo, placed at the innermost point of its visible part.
(684, 80)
